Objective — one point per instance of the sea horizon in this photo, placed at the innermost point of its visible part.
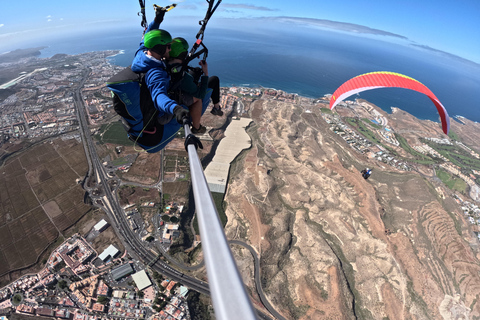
(313, 63)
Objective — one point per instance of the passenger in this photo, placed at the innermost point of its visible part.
(195, 83)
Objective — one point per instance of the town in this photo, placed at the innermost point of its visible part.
(79, 283)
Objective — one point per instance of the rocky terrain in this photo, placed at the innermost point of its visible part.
(335, 246)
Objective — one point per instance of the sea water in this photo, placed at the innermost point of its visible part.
(313, 63)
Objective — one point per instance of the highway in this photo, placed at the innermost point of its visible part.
(119, 222)
(118, 218)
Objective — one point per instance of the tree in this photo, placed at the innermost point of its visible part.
(163, 304)
(17, 298)
(174, 219)
(62, 284)
(103, 300)
(150, 238)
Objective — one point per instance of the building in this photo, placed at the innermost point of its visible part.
(45, 312)
(25, 309)
(141, 280)
(103, 289)
(98, 307)
(100, 226)
(110, 252)
(62, 313)
(122, 271)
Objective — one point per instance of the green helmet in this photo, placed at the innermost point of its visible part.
(179, 46)
(156, 37)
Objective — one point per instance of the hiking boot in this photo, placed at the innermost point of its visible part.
(216, 112)
(200, 130)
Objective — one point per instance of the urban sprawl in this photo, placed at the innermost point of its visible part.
(79, 283)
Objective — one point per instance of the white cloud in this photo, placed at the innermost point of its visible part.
(248, 6)
(48, 20)
(48, 17)
(1, 25)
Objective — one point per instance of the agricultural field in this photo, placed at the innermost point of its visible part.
(458, 155)
(131, 195)
(114, 133)
(361, 127)
(452, 182)
(40, 197)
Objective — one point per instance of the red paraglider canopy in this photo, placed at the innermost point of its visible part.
(384, 79)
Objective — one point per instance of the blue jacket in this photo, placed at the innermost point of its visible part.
(156, 76)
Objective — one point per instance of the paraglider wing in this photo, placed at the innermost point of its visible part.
(384, 79)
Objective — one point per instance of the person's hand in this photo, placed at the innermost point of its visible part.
(159, 13)
(204, 66)
(180, 114)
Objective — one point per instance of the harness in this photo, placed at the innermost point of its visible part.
(201, 33)
(133, 102)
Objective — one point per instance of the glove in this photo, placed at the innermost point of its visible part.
(159, 13)
(180, 114)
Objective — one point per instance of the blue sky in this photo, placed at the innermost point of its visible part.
(448, 25)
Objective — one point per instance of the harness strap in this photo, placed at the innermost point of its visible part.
(150, 132)
(144, 23)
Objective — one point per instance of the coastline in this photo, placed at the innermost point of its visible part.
(120, 51)
(432, 117)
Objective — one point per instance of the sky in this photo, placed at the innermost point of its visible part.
(447, 25)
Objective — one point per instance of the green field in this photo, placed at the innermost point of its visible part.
(419, 157)
(363, 129)
(371, 123)
(326, 110)
(457, 155)
(114, 133)
(452, 182)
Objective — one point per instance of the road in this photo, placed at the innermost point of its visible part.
(258, 282)
(114, 211)
(120, 224)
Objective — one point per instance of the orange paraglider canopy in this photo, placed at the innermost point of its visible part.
(384, 79)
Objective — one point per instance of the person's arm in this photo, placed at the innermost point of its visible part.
(152, 26)
(203, 85)
(157, 82)
(204, 65)
(155, 24)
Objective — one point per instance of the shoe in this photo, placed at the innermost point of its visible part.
(216, 112)
(200, 130)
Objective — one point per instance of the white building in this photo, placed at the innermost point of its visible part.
(141, 280)
(100, 226)
(111, 251)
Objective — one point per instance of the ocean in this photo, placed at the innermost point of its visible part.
(312, 63)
